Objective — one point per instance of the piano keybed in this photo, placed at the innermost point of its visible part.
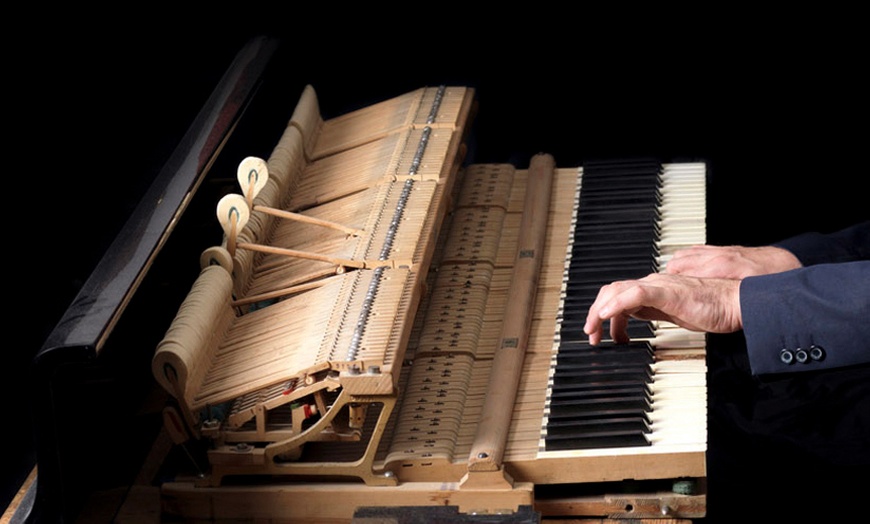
(457, 336)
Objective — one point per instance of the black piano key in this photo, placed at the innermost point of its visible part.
(614, 215)
(589, 276)
(624, 181)
(600, 396)
(632, 181)
(581, 279)
(602, 369)
(607, 350)
(609, 272)
(639, 376)
(573, 352)
(576, 351)
(606, 191)
(599, 408)
(615, 230)
(627, 217)
(574, 428)
(639, 347)
(598, 440)
(567, 390)
(617, 221)
(605, 256)
(642, 211)
(648, 237)
(636, 245)
(601, 189)
(620, 172)
(629, 187)
(573, 391)
(635, 329)
(614, 235)
(603, 168)
(629, 200)
(624, 164)
(571, 329)
(590, 262)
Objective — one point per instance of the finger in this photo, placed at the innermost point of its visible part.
(594, 321)
(593, 326)
(595, 336)
(619, 329)
(643, 297)
(608, 306)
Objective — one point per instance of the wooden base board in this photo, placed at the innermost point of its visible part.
(338, 502)
(331, 502)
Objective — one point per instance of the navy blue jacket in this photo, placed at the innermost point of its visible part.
(815, 317)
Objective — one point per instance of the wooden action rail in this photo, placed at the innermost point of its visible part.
(487, 452)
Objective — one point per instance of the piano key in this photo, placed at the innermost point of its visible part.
(602, 438)
(618, 213)
(639, 375)
(636, 329)
(563, 430)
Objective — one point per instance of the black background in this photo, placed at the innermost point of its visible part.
(774, 103)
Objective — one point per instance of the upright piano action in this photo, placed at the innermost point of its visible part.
(393, 370)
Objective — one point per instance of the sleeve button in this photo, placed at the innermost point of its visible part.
(817, 353)
(801, 356)
(786, 356)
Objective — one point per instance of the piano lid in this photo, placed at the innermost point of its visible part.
(85, 325)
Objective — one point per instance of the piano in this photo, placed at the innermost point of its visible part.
(415, 336)
(384, 324)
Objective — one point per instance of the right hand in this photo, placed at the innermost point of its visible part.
(699, 304)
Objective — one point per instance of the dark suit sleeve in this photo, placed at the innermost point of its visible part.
(811, 318)
(847, 245)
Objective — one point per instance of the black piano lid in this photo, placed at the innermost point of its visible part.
(89, 321)
(84, 326)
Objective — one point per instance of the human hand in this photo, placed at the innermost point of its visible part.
(699, 304)
(731, 261)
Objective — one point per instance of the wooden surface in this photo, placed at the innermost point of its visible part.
(487, 451)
